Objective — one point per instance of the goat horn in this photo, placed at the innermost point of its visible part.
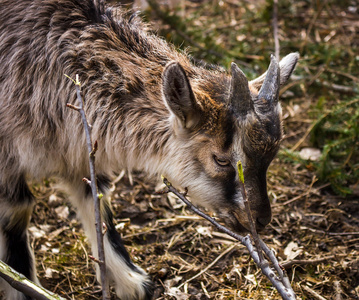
(270, 87)
(240, 95)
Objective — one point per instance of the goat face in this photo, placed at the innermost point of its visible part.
(219, 122)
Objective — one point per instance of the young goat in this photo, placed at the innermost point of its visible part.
(151, 109)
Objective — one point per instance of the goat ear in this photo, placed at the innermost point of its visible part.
(286, 67)
(179, 97)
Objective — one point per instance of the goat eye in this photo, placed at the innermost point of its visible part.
(222, 161)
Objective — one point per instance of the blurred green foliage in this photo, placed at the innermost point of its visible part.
(336, 132)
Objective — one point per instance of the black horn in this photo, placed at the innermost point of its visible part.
(240, 95)
(270, 88)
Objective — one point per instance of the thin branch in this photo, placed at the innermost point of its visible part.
(350, 76)
(275, 29)
(95, 259)
(24, 285)
(313, 293)
(248, 211)
(290, 263)
(283, 275)
(199, 212)
(339, 88)
(93, 184)
(303, 138)
(328, 233)
(74, 107)
(280, 283)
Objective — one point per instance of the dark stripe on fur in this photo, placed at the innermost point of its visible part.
(149, 288)
(103, 184)
(18, 252)
(230, 186)
(229, 130)
(115, 238)
(17, 193)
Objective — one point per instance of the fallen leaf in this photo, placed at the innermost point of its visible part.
(177, 294)
(292, 250)
(204, 231)
(36, 232)
(310, 154)
(62, 212)
(251, 278)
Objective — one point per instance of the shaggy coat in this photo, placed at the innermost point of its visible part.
(151, 109)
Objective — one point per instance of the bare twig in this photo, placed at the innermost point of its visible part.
(312, 293)
(305, 194)
(24, 285)
(248, 210)
(345, 74)
(199, 212)
(279, 269)
(328, 233)
(280, 283)
(288, 264)
(309, 130)
(95, 259)
(339, 88)
(93, 184)
(275, 29)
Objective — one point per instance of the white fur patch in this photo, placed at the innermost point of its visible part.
(129, 284)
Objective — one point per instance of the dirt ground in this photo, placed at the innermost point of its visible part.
(314, 232)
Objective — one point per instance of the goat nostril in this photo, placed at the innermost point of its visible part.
(263, 221)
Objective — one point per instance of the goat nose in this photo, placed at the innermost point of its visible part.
(263, 221)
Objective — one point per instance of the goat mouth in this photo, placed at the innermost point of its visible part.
(233, 222)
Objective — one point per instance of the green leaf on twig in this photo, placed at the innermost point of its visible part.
(240, 171)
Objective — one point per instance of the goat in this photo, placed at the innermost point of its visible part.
(151, 109)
